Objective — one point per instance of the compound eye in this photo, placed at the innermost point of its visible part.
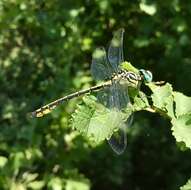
(147, 75)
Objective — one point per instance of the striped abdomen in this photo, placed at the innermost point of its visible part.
(49, 107)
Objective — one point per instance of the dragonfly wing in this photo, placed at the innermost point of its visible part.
(100, 67)
(118, 96)
(130, 120)
(118, 141)
(114, 97)
(115, 51)
(119, 99)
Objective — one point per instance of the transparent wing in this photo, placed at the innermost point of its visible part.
(116, 97)
(130, 120)
(118, 140)
(115, 51)
(100, 67)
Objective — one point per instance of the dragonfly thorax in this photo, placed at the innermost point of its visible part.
(127, 76)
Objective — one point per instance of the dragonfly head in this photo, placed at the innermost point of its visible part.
(147, 75)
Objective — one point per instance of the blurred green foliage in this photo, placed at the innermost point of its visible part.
(45, 53)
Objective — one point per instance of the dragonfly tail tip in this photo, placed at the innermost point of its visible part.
(31, 115)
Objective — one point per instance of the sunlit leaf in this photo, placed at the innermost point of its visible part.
(129, 67)
(96, 121)
(77, 185)
(149, 9)
(162, 98)
(187, 186)
(3, 161)
(160, 94)
(18, 158)
(183, 103)
(28, 177)
(17, 186)
(140, 102)
(36, 185)
(55, 183)
(182, 129)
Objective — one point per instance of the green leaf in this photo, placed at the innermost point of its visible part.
(55, 183)
(36, 185)
(183, 103)
(162, 98)
(3, 161)
(18, 158)
(187, 186)
(17, 186)
(160, 94)
(140, 102)
(96, 121)
(28, 177)
(129, 67)
(170, 107)
(182, 129)
(77, 185)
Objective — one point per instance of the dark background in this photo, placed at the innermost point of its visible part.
(45, 53)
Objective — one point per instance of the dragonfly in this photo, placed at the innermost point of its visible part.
(113, 91)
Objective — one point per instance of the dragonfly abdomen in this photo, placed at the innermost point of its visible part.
(49, 107)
